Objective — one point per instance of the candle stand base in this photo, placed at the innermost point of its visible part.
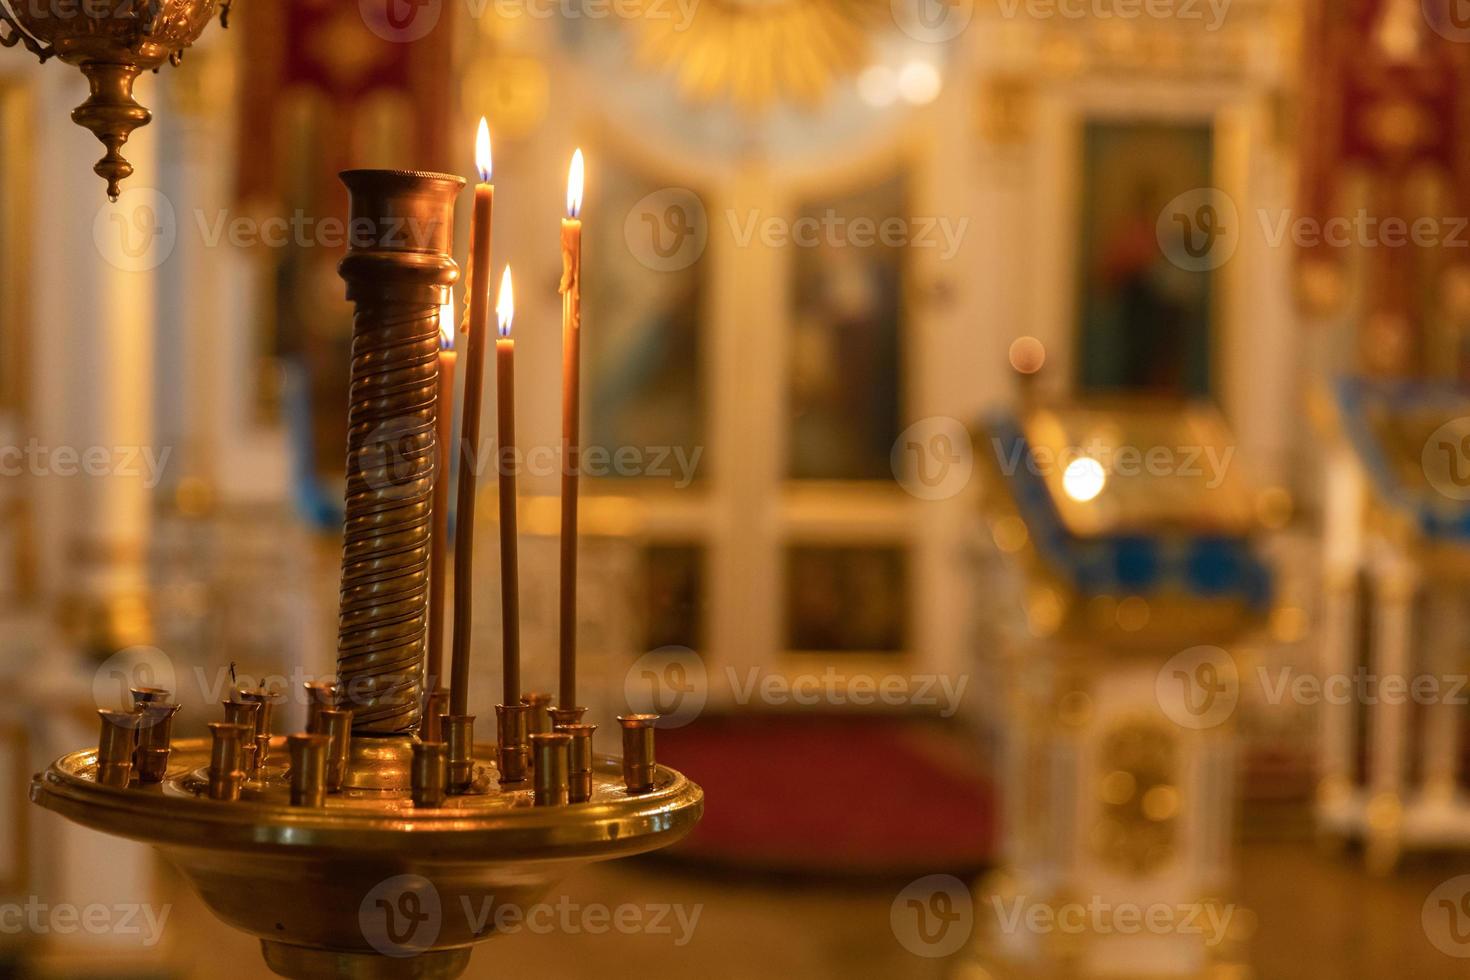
(369, 887)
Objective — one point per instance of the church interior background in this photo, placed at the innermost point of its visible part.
(1025, 463)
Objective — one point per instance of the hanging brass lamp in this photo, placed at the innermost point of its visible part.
(112, 42)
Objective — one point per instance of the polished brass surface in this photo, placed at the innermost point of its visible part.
(112, 42)
(579, 769)
(551, 755)
(513, 747)
(226, 778)
(247, 859)
(459, 734)
(155, 736)
(336, 724)
(115, 747)
(398, 272)
(379, 764)
(638, 760)
(430, 761)
(308, 754)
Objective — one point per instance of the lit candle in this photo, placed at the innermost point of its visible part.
(469, 439)
(571, 332)
(505, 394)
(439, 543)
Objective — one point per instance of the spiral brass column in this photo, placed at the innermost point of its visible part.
(399, 271)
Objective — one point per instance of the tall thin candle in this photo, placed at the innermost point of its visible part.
(571, 332)
(469, 440)
(439, 542)
(510, 588)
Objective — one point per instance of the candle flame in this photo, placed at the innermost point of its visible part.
(505, 304)
(574, 186)
(446, 324)
(483, 163)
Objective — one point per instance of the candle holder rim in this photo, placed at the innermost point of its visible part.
(357, 174)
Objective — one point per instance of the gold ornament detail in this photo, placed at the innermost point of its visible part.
(756, 53)
(1137, 831)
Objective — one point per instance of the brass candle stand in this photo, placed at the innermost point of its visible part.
(250, 858)
(112, 42)
(353, 851)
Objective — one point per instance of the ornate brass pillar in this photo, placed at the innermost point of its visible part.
(399, 271)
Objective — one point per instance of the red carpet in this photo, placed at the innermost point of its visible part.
(835, 795)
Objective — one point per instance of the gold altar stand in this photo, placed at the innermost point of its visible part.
(1125, 527)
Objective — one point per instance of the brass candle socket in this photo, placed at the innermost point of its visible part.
(262, 736)
(155, 740)
(551, 755)
(226, 777)
(580, 767)
(430, 774)
(246, 713)
(336, 724)
(398, 272)
(512, 747)
(638, 760)
(308, 769)
(459, 734)
(565, 716)
(148, 695)
(319, 695)
(115, 745)
(112, 42)
(539, 721)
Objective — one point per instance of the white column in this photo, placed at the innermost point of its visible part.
(93, 321)
(1388, 729)
(1342, 537)
(92, 376)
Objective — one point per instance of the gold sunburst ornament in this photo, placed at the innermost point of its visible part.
(755, 53)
